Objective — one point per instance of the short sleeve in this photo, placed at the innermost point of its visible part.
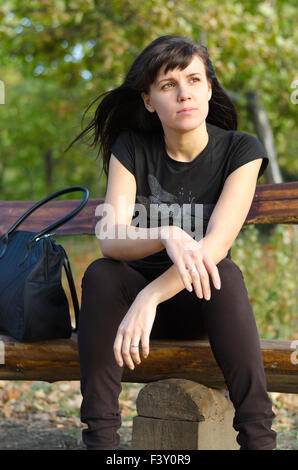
(124, 150)
(246, 149)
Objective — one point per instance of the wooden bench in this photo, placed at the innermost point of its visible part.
(184, 404)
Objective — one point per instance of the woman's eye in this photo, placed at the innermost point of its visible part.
(167, 85)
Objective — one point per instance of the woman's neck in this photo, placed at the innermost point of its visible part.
(185, 147)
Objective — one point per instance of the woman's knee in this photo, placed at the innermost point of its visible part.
(229, 269)
(231, 277)
(102, 272)
(230, 306)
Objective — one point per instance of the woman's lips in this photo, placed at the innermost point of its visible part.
(187, 111)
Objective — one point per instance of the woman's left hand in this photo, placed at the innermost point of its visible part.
(135, 330)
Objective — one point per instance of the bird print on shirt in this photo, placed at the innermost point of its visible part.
(164, 208)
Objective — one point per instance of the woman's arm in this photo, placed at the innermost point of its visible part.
(224, 225)
(118, 238)
(136, 326)
(170, 283)
(133, 244)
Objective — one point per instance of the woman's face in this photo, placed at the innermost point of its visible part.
(180, 97)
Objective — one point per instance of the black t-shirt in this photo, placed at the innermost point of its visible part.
(165, 184)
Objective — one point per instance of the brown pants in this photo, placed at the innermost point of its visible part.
(110, 286)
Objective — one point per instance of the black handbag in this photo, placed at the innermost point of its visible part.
(33, 303)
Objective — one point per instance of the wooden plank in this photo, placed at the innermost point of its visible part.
(272, 203)
(193, 360)
(83, 223)
(283, 211)
(272, 192)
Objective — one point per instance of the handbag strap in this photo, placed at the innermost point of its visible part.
(73, 292)
(61, 221)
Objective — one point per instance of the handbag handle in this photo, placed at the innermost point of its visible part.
(61, 221)
(72, 288)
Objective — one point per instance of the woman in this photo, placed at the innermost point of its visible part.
(168, 140)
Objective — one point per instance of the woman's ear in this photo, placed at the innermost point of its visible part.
(209, 91)
(146, 99)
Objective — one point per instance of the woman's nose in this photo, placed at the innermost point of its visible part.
(183, 93)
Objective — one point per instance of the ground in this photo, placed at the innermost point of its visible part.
(37, 416)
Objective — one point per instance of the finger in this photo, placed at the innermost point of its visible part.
(185, 277)
(134, 350)
(196, 280)
(126, 351)
(117, 349)
(200, 278)
(213, 271)
(204, 278)
(145, 345)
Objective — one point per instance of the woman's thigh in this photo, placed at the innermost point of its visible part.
(108, 281)
(110, 286)
(179, 318)
(185, 316)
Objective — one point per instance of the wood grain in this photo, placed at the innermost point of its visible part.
(193, 360)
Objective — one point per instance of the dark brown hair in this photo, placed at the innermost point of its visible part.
(123, 108)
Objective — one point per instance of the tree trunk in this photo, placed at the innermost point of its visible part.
(265, 135)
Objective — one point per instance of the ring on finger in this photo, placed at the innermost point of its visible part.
(134, 345)
(193, 270)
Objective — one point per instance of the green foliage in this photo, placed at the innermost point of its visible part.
(270, 271)
(36, 128)
(58, 56)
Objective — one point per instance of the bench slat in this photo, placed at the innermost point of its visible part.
(57, 360)
(272, 203)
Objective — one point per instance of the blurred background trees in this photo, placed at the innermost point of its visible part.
(57, 56)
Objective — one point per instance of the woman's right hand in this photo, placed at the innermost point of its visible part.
(186, 253)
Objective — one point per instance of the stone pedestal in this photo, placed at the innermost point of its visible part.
(178, 414)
